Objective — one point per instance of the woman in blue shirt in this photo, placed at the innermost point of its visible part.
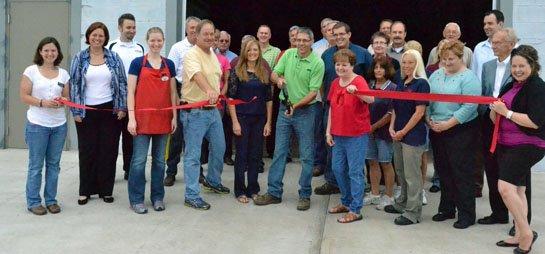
(453, 133)
(252, 121)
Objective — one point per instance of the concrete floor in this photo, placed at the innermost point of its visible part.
(229, 227)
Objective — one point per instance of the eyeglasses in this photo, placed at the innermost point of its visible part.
(379, 43)
(224, 40)
(303, 40)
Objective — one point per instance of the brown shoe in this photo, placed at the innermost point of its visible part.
(169, 180)
(303, 204)
(38, 210)
(317, 171)
(267, 199)
(54, 208)
(326, 189)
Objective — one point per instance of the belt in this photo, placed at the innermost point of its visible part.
(208, 107)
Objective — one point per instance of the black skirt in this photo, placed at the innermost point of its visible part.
(515, 162)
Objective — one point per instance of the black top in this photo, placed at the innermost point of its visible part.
(239, 89)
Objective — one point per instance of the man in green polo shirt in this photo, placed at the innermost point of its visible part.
(268, 51)
(301, 72)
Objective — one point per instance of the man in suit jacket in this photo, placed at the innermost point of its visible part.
(495, 75)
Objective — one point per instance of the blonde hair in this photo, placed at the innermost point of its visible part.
(412, 44)
(242, 64)
(419, 70)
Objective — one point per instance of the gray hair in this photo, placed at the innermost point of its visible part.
(247, 38)
(226, 33)
(455, 25)
(325, 20)
(307, 31)
(191, 18)
(294, 28)
(510, 35)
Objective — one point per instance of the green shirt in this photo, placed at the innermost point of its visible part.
(464, 83)
(302, 75)
(270, 54)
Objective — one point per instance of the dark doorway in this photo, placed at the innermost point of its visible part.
(425, 19)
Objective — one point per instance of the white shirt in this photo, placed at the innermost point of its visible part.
(500, 72)
(127, 51)
(46, 89)
(320, 46)
(177, 53)
(482, 54)
(97, 89)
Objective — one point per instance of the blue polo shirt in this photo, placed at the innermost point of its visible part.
(363, 62)
(404, 110)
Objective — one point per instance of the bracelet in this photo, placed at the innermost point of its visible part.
(509, 114)
(40, 103)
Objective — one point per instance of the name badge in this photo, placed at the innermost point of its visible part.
(60, 84)
(164, 78)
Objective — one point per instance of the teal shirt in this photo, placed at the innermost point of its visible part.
(302, 75)
(463, 83)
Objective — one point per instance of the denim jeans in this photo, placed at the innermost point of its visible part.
(328, 172)
(348, 161)
(199, 124)
(175, 148)
(320, 156)
(137, 173)
(44, 144)
(302, 123)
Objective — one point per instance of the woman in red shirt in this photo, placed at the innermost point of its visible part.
(151, 84)
(348, 126)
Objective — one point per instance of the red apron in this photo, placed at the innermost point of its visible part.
(153, 91)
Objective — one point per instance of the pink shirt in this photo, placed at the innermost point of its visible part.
(225, 67)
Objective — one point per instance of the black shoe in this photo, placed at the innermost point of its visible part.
(220, 189)
(288, 160)
(489, 220)
(202, 179)
(326, 189)
(83, 201)
(391, 209)
(169, 180)
(518, 250)
(502, 243)
(126, 175)
(434, 189)
(108, 199)
(198, 204)
(403, 221)
(462, 224)
(228, 161)
(512, 231)
(442, 217)
(317, 171)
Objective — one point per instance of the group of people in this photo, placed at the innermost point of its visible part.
(311, 90)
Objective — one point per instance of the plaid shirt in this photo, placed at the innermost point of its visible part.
(78, 69)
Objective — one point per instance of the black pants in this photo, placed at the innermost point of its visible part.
(175, 149)
(98, 141)
(126, 144)
(249, 147)
(453, 153)
(228, 133)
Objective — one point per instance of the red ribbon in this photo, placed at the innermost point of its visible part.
(440, 98)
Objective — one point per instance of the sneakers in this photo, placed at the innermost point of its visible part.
(326, 189)
(397, 191)
(169, 180)
(139, 208)
(424, 198)
(385, 201)
(38, 210)
(197, 203)
(220, 189)
(228, 161)
(54, 208)
(303, 204)
(267, 199)
(159, 205)
(371, 199)
(434, 188)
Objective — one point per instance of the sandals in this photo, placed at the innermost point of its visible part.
(350, 217)
(339, 209)
(243, 199)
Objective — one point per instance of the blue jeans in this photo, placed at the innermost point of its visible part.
(199, 124)
(328, 172)
(320, 156)
(137, 173)
(302, 123)
(44, 144)
(175, 148)
(348, 161)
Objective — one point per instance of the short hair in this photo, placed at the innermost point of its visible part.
(386, 20)
(386, 64)
(307, 31)
(511, 35)
(226, 33)
(123, 17)
(455, 25)
(95, 26)
(204, 22)
(530, 54)
(268, 27)
(456, 47)
(345, 55)
(498, 14)
(191, 18)
(38, 59)
(412, 44)
(342, 24)
(154, 29)
(324, 20)
(293, 28)
(381, 35)
(400, 22)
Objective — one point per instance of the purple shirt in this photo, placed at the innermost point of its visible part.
(510, 134)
